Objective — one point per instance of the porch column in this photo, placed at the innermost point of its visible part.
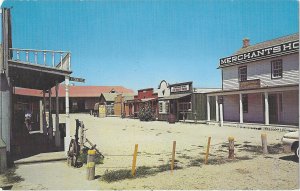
(208, 108)
(241, 109)
(221, 113)
(44, 113)
(57, 132)
(50, 116)
(68, 133)
(266, 109)
(217, 108)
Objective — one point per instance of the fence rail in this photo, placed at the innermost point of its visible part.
(51, 58)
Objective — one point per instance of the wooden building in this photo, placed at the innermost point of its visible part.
(128, 101)
(184, 102)
(260, 84)
(119, 105)
(146, 97)
(106, 104)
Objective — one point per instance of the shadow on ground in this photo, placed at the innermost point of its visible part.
(143, 171)
(292, 158)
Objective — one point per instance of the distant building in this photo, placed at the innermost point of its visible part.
(82, 98)
(146, 96)
(119, 104)
(260, 83)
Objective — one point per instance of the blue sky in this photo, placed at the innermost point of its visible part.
(139, 43)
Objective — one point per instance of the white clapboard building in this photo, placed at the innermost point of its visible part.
(260, 84)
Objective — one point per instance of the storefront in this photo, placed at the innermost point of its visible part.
(260, 84)
(146, 98)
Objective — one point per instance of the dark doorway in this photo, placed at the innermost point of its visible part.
(81, 105)
(273, 109)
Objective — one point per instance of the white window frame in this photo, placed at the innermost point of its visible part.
(276, 68)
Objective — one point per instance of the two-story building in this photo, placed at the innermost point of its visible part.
(146, 96)
(260, 84)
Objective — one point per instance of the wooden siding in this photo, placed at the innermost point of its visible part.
(231, 108)
(262, 70)
(118, 105)
(290, 107)
(200, 107)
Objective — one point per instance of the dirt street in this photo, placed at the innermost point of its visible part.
(116, 138)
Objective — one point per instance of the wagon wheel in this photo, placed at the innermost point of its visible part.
(73, 152)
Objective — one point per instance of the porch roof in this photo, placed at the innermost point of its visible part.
(175, 96)
(256, 90)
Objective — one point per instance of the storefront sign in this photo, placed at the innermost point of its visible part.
(250, 84)
(260, 53)
(182, 88)
(77, 79)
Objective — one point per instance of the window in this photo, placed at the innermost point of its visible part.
(243, 73)
(276, 66)
(160, 107)
(245, 103)
(167, 107)
(185, 106)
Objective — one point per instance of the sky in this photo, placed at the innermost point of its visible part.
(138, 43)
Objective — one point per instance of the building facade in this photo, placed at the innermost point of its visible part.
(146, 97)
(260, 83)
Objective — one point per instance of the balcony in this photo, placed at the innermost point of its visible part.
(38, 69)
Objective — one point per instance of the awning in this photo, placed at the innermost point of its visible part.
(175, 96)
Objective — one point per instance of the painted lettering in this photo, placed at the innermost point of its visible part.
(288, 46)
(276, 49)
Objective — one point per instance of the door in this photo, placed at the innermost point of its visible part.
(273, 109)
(102, 111)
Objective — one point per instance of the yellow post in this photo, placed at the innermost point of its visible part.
(207, 150)
(173, 156)
(134, 159)
(91, 164)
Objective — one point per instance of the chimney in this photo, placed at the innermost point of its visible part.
(246, 42)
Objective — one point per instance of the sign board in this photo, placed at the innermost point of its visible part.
(77, 79)
(261, 53)
(181, 88)
(249, 84)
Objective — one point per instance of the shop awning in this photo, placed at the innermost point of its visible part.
(175, 96)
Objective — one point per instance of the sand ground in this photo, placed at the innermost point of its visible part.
(116, 138)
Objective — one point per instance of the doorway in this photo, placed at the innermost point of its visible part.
(273, 108)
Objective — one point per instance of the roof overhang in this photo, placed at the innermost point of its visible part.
(175, 96)
(290, 87)
(35, 76)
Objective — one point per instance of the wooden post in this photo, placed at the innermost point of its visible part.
(81, 135)
(173, 156)
(264, 143)
(231, 147)
(91, 164)
(134, 160)
(207, 150)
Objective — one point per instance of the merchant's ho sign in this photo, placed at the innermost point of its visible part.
(263, 53)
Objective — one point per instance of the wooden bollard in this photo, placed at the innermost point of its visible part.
(91, 164)
(133, 171)
(231, 147)
(207, 150)
(264, 143)
(173, 156)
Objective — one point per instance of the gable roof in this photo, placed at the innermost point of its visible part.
(268, 43)
(109, 96)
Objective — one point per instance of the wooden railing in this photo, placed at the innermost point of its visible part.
(50, 58)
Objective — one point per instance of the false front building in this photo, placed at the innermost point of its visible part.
(260, 84)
